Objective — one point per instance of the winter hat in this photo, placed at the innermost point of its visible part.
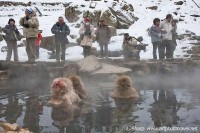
(86, 20)
(11, 19)
(29, 10)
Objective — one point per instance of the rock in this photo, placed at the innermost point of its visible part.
(109, 18)
(48, 43)
(195, 56)
(180, 19)
(181, 37)
(111, 69)
(93, 5)
(186, 55)
(179, 3)
(194, 50)
(72, 36)
(195, 15)
(121, 19)
(89, 64)
(152, 7)
(94, 16)
(72, 14)
(4, 49)
(127, 7)
(3, 75)
(78, 25)
(196, 38)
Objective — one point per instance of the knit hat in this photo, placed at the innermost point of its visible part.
(11, 19)
(29, 10)
(86, 20)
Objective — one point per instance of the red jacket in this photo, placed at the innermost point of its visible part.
(38, 40)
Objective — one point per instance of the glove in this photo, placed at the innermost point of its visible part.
(27, 18)
(26, 25)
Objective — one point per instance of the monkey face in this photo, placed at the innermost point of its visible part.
(59, 87)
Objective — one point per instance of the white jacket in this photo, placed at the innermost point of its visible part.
(167, 27)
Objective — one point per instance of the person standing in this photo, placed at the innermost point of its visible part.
(30, 25)
(11, 30)
(37, 44)
(61, 30)
(166, 29)
(86, 32)
(174, 35)
(156, 40)
(103, 37)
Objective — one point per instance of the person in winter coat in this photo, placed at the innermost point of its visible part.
(129, 47)
(166, 29)
(156, 39)
(86, 32)
(11, 30)
(103, 37)
(30, 25)
(174, 34)
(61, 30)
(37, 44)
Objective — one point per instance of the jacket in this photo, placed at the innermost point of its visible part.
(155, 33)
(30, 25)
(166, 29)
(103, 34)
(130, 44)
(38, 40)
(10, 32)
(87, 39)
(61, 32)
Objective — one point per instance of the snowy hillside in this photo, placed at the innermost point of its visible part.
(139, 28)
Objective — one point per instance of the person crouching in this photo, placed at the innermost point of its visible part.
(129, 47)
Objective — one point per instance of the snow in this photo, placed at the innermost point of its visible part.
(139, 28)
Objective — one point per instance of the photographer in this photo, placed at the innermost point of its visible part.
(30, 25)
(87, 33)
(129, 47)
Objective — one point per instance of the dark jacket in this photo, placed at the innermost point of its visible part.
(103, 34)
(155, 33)
(61, 32)
(10, 32)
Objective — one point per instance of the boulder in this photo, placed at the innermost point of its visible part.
(94, 16)
(48, 43)
(179, 3)
(111, 69)
(152, 7)
(119, 19)
(89, 64)
(72, 14)
(128, 7)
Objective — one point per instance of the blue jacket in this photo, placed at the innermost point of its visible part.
(155, 33)
(61, 32)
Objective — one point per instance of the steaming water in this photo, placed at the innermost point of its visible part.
(158, 106)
